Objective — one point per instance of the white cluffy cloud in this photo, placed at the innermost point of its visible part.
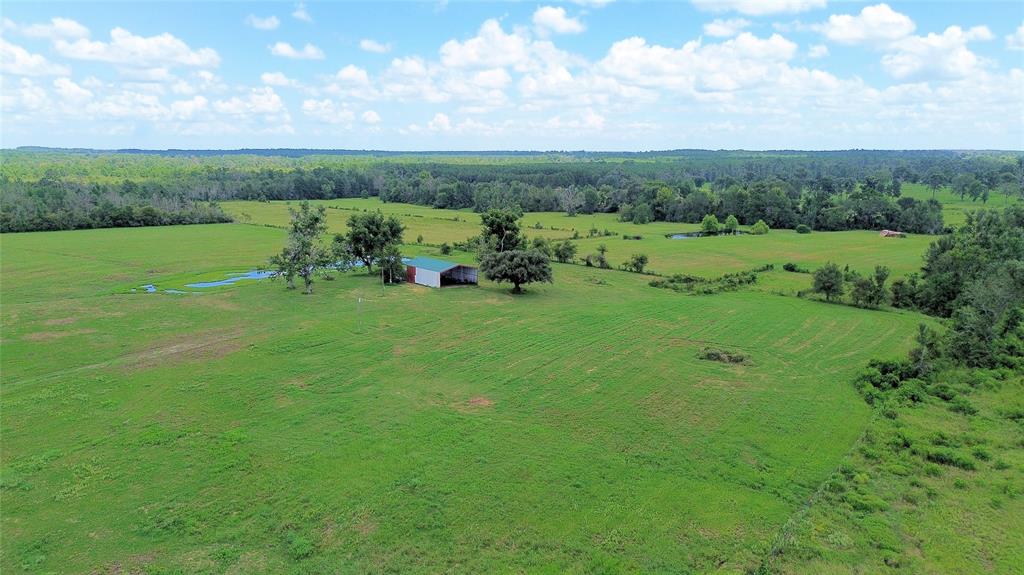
(16, 60)
(369, 45)
(549, 19)
(725, 28)
(874, 24)
(758, 7)
(300, 13)
(286, 50)
(128, 49)
(277, 79)
(945, 55)
(268, 23)
(57, 28)
(1015, 41)
(370, 117)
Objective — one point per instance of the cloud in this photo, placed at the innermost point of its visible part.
(491, 47)
(277, 79)
(549, 19)
(300, 13)
(725, 28)
(268, 23)
(945, 55)
(57, 28)
(370, 117)
(758, 7)
(16, 60)
(326, 111)
(368, 45)
(187, 109)
(817, 51)
(1015, 41)
(353, 75)
(138, 51)
(874, 24)
(440, 123)
(740, 63)
(308, 52)
(71, 92)
(264, 101)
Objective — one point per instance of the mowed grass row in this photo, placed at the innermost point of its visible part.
(259, 430)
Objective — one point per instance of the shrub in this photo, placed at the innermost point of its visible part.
(760, 228)
(419, 239)
(795, 268)
(803, 229)
(731, 224)
(709, 225)
(636, 263)
(712, 354)
(446, 249)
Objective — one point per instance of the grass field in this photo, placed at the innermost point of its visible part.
(954, 209)
(708, 257)
(572, 429)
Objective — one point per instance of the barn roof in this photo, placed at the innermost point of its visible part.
(431, 264)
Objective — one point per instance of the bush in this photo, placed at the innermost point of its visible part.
(712, 354)
(795, 268)
(709, 225)
(760, 228)
(803, 229)
(731, 224)
(446, 249)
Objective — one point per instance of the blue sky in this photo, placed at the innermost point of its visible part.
(606, 75)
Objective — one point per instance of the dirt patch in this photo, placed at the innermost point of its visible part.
(475, 403)
(198, 347)
(60, 321)
(365, 527)
(52, 335)
(219, 301)
(299, 382)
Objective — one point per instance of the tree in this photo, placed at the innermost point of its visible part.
(731, 224)
(542, 245)
(878, 288)
(759, 229)
(904, 292)
(636, 263)
(501, 231)
(565, 251)
(709, 225)
(303, 254)
(828, 279)
(518, 267)
(392, 269)
(570, 200)
(370, 233)
(935, 180)
(862, 291)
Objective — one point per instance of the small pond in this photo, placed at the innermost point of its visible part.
(232, 278)
(689, 235)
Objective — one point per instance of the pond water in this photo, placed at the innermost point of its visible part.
(232, 278)
(689, 235)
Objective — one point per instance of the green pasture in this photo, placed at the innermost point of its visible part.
(360, 429)
(708, 257)
(954, 209)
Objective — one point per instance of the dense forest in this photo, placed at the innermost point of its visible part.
(44, 189)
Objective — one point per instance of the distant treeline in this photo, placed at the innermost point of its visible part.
(49, 205)
(823, 190)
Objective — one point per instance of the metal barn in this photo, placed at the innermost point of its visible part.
(439, 273)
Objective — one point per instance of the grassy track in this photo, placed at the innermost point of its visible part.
(253, 429)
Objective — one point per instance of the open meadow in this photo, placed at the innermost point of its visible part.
(570, 429)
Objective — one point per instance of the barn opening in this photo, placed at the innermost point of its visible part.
(439, 273)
